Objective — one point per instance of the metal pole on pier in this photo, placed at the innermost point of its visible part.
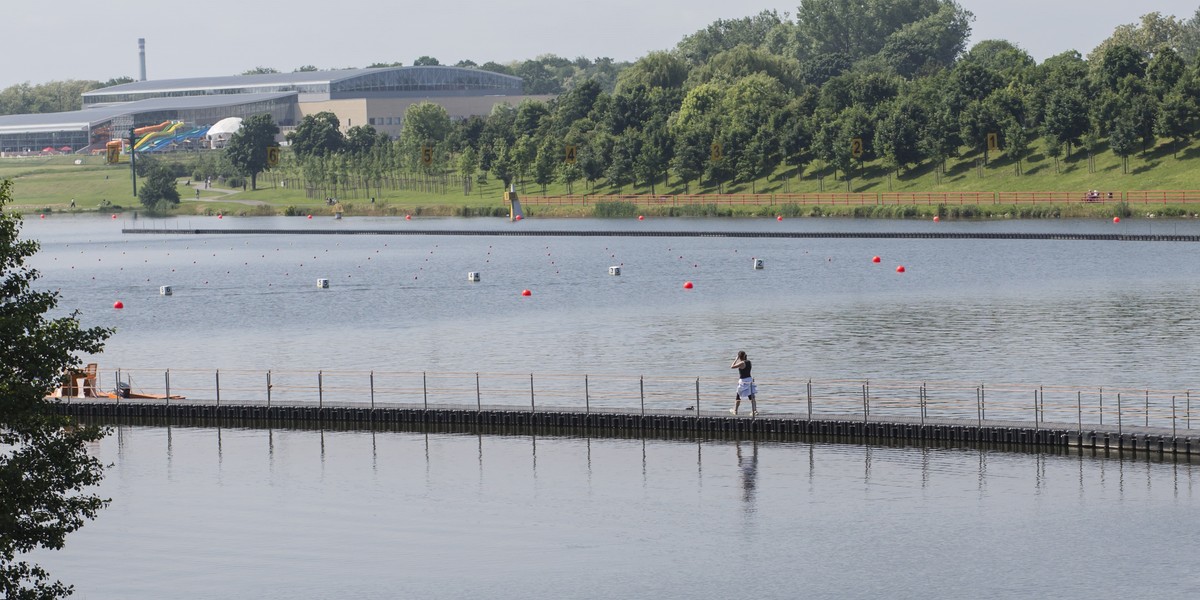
(218, 387)
(1119, 420)
(809, 392)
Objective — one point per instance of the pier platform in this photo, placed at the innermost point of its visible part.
(1014, 434)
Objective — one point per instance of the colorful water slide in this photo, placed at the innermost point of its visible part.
(140, 131)
(163, 144)
(149, 137)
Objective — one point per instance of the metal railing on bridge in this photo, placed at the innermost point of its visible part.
(968, 402)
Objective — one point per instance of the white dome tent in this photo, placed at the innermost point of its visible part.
(218, 135)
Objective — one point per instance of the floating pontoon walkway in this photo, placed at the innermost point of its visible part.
(1015, 434)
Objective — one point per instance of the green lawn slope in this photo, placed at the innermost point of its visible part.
(45, 184)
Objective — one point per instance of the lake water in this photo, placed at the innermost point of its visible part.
(208, 513)
(1039, 312)
(218, 513)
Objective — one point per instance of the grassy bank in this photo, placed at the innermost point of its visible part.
(44, 184)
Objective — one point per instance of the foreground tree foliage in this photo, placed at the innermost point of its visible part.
(45, 468)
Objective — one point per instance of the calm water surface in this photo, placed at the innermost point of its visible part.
(209, 513)
(1040, 312)
(220, 513)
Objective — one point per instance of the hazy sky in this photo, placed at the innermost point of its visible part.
(75, 39)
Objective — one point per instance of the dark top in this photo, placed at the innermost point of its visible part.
(744, 370)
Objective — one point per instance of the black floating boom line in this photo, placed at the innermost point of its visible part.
(899, 235)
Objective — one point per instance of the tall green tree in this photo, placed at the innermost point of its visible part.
(247, 149)
(468, 165)
(939, 139)
(1165, 70)
(317, 135)
(861, 29)
(45, 466)
(1153, 31)
(1178, 118)
(1016, 144)
(159, 190)
(725, 34)
(502, 163)
(361, 139)
(977, 121)
(656, 69)
(545, 167)
(651, 164)
(1123, 138)
(425, 124)
(931, 43)
(1118, 63)
(1066, 117)
(898, 134)
(692, 149)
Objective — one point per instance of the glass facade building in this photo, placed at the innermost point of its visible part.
(316, 86)
(377, 96)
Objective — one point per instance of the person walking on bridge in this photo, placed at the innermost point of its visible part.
(745, 385)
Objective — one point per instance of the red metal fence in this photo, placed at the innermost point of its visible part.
(882, 198)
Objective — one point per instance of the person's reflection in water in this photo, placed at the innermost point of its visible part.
(749, 468)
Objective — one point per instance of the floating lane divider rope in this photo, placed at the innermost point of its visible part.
(927, 235)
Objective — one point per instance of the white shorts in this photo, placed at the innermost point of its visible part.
(746, 387)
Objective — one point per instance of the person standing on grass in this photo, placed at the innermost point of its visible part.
(745, 385)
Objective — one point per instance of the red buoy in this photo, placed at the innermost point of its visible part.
(900, 269)
(118, 305)
(937, 219)
(1116, 219)
(641, 218)
(114, 216)
(518, 218)
(779, 218)
(526, 293)
(875, 259)
(407, 217)
(220, 216)
(687, 285)
(43, 216)
(309, 216)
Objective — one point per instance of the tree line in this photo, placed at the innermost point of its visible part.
(768, 95)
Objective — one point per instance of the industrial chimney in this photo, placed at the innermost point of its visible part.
(142, 57)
